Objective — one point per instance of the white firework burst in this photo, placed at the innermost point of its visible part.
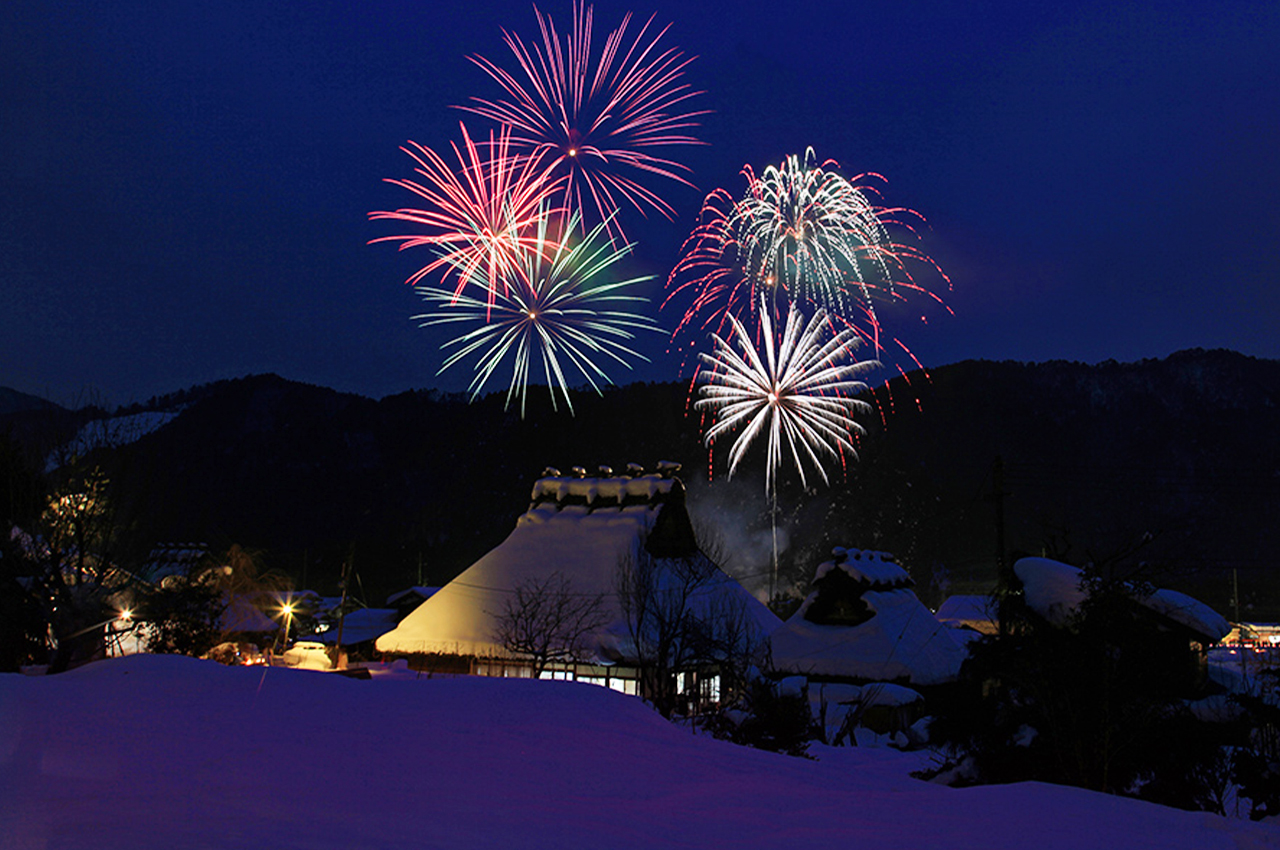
(801, 392)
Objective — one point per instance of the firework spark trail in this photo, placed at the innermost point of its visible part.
(558, 307)
(801, 392)
(800, 232)
(804, 228)
(596, 124)
(482, 218)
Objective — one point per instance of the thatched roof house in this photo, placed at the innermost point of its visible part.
(863, 623)
(577, 529)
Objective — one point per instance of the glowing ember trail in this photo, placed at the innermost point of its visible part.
(558, 306)
(599, 119)
(801, 392)
(801, 232)
(479, 220)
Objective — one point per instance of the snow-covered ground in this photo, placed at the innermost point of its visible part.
(169, 752)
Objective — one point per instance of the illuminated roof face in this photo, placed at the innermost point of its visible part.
(579, 528)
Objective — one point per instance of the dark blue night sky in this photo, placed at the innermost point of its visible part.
(186, 185)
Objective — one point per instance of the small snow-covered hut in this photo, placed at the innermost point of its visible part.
(1182, 628)
(577, 529)
(863, 623)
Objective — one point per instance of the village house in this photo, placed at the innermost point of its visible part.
(865, 645)
(577, 536)
(1179, 629)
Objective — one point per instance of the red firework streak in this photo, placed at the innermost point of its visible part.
(480, 219)
(600, 120)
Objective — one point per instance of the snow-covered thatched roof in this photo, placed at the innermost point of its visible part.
(876, 569)
(850, 628)
(577, 528)
(1055, 591)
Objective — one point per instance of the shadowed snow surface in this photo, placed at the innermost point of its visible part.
(170, 752)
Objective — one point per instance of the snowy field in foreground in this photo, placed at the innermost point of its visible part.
(169, 752)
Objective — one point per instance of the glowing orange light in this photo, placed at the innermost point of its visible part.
(573, 151)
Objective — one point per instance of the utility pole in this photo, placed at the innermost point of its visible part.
(997, 496)
(1235, 592)
(1004, 576)
(342, 606)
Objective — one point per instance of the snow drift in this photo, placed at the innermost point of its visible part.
(170, 752)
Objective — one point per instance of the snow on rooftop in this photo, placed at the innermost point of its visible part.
(167, 751)
(1051, 588)
(361, 625)
(875, 568)
(1190, 612)
(1054, 591)
(901, 641)
(570, 530)
(600, 492)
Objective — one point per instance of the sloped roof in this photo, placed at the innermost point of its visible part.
(876, 569)
(577, 527)
(899, 640)
(417, 590)
(1188, 611)
(979, 612)
(1054, 591)
(361, 625)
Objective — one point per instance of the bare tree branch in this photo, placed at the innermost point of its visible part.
(544, 620)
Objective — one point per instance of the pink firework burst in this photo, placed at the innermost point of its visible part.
(600, 119)
(479, 220)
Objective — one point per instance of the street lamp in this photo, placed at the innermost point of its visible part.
(287, 610)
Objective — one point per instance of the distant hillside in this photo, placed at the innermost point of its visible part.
(12, 401)
(1094, 458)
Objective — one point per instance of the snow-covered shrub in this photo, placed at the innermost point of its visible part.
(1085, 700)
(769, 717)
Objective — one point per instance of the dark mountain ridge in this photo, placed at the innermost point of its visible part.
(415, 486)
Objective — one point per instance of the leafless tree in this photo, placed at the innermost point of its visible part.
(545, 620)
(680, 616)
(71, 562)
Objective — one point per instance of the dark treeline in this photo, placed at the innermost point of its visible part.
(1172, 464)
